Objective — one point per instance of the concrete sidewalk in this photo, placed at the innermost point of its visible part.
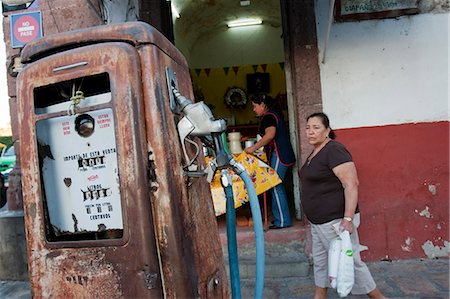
(424, 279)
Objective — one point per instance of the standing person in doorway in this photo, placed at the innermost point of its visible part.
(275, 139)
(329, 196)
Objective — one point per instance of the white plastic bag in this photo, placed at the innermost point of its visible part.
(333, 261)
(346, 272)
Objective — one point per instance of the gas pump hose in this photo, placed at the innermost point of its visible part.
(257, 226)
(233, 260)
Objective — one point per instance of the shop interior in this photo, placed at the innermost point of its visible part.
(229, 63)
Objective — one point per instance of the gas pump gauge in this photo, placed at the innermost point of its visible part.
(107, 209)
(84, 125)
(79, 180)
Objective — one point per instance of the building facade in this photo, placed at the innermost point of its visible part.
(384, 84)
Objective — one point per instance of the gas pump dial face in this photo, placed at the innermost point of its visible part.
(81, 174)
(84, 125)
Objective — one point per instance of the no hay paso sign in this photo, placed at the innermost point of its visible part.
(25, 27)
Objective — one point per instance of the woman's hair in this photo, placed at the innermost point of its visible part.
(260, 98)
(325, 121)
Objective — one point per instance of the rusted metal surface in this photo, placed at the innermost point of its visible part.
(134, 33)
(184, 218)
(170, 245)
(92, 268)
(57, 15)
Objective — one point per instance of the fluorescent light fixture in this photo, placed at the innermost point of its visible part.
(175, 12)
(244, 22)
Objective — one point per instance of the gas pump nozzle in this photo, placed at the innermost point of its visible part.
(198, 121)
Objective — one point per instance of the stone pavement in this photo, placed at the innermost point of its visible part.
(289, 275)
(419, 278)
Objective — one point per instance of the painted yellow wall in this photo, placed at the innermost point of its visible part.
(214, 85)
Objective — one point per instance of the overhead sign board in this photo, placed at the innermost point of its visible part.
(370, 9)
(368, 6)
(25, 27)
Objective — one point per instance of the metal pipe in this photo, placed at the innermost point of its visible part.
(327, 34)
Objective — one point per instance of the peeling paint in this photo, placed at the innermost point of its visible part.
(432, 189)
(408, 244)
(432, 251)
(363, 247)
(436, 6)
(426, 213)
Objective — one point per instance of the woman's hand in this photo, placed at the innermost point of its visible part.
(250, 149)
(347, 225)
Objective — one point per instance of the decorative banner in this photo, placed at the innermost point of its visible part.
(25, 27)
(235, 69)
(207, 71)
(197, 71)
(281, 65)
(264, 67)
(262, 175)
(255, 67)
(226, 69)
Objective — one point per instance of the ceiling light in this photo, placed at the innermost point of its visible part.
(244, 22)
(175, 12)
(245, 3)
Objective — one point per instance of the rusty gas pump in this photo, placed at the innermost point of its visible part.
(109, 211)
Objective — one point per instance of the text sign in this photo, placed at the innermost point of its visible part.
(370, 6)
(25, 28)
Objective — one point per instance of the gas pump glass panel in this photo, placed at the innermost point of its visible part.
(79, 168)
(90, 91)
(80, 176)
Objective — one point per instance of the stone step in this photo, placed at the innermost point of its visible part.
(273, 268)
(284, 251)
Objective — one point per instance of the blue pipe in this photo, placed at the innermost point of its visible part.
(259, 234)
(257, 226)
(224, 158)
(233, 260)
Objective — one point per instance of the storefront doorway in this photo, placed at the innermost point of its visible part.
(228, 64)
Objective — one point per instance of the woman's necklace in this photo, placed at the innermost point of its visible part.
(316, 150)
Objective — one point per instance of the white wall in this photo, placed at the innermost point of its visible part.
(238, 46)
(381, 72)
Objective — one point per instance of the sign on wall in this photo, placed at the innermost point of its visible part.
(25, 27)
(369, 9)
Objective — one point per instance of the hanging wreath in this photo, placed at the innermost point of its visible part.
(235, 97)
